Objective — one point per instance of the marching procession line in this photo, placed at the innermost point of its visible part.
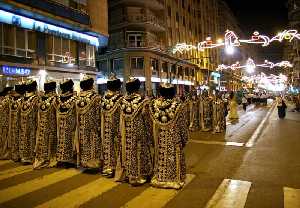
(15, 171)
(35, 184)
(291, 197)
(81, 195)
(154, 197)
(230, 194)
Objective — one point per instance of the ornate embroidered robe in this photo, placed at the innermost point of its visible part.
(194, 106)
(14, 127)
(46, 142)
(206, 114)
(136, 160)
(110, 133)
(88, 129)
(28, 127)
(4, 128)
(66, 128)
(170, 130)
(219, 119)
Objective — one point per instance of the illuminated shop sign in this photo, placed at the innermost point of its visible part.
(12, 70)
(31, 24)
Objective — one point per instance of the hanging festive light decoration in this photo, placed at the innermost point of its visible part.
(231, 40)
(272, 82)
(250, 65)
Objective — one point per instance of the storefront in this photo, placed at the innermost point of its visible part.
(32, 49)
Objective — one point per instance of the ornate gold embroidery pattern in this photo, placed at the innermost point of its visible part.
(88, 115)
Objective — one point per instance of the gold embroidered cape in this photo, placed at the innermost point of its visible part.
(170, 130)
(4, 128)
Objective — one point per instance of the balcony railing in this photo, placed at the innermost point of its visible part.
(148, 20)
(151, 4)
(58, 9)
(145, 44)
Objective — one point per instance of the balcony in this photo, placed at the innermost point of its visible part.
(145, 44)
(151, 4)
(150, 22)
(58, 10)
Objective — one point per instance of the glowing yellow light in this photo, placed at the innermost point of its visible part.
(220, 40)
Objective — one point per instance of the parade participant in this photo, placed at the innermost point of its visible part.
(281, 106)
(219, 117)
(66, 124)
(15, 118)
(233, 114)
(4, 123)
(206, 112)
(46, 141)
(110, 120)
(88, 126)
(135, 164)
(170, 132)
(194, 111)
(244, 102)
(28, 123)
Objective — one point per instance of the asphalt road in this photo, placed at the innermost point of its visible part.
(256, 163)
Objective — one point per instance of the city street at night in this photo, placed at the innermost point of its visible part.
(222, 172)
(149, 104)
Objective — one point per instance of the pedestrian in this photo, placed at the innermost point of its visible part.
(233, 114)
(281, 106)
(244, 102)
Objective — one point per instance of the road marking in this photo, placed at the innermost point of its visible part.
(291, 197)
(81, 195)
(230, 194)
(33, 185)
(15, 171)
(237, 144)
(259, 129)
(155, 197)
(4, 162)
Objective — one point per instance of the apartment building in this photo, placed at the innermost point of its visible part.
(50, 39)
(143, 34)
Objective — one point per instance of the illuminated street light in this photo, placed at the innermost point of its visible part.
(229, 50)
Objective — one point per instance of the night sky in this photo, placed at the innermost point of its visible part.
(266, 16)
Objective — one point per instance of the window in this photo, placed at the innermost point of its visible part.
(177, 17)
(135, 40)
(154, 66)
(17, 41)
(165, 67)
(169, 11)
(90, 50)
(103, 67)
(118, 66)
(137, 62)
(61, 50)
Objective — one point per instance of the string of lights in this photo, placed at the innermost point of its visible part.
(251, 65)
(231, 40)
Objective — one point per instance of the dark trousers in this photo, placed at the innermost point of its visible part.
(245, 106)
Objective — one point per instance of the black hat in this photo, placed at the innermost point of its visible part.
(87, 83)
(6, 90)
(31, 86)
(133, 85)
(114, 84)
(67, 86)
(49, 86)
(167, 91)
(20, 88)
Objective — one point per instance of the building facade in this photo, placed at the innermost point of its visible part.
(143, 34)
(292, 49)
(231, 80)
(50, 39)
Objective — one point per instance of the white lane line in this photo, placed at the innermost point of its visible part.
(291, 197)
(230, 194)
(154, 197)
(259, 129)
(81, 195)
(35, 184)
(237, 144)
